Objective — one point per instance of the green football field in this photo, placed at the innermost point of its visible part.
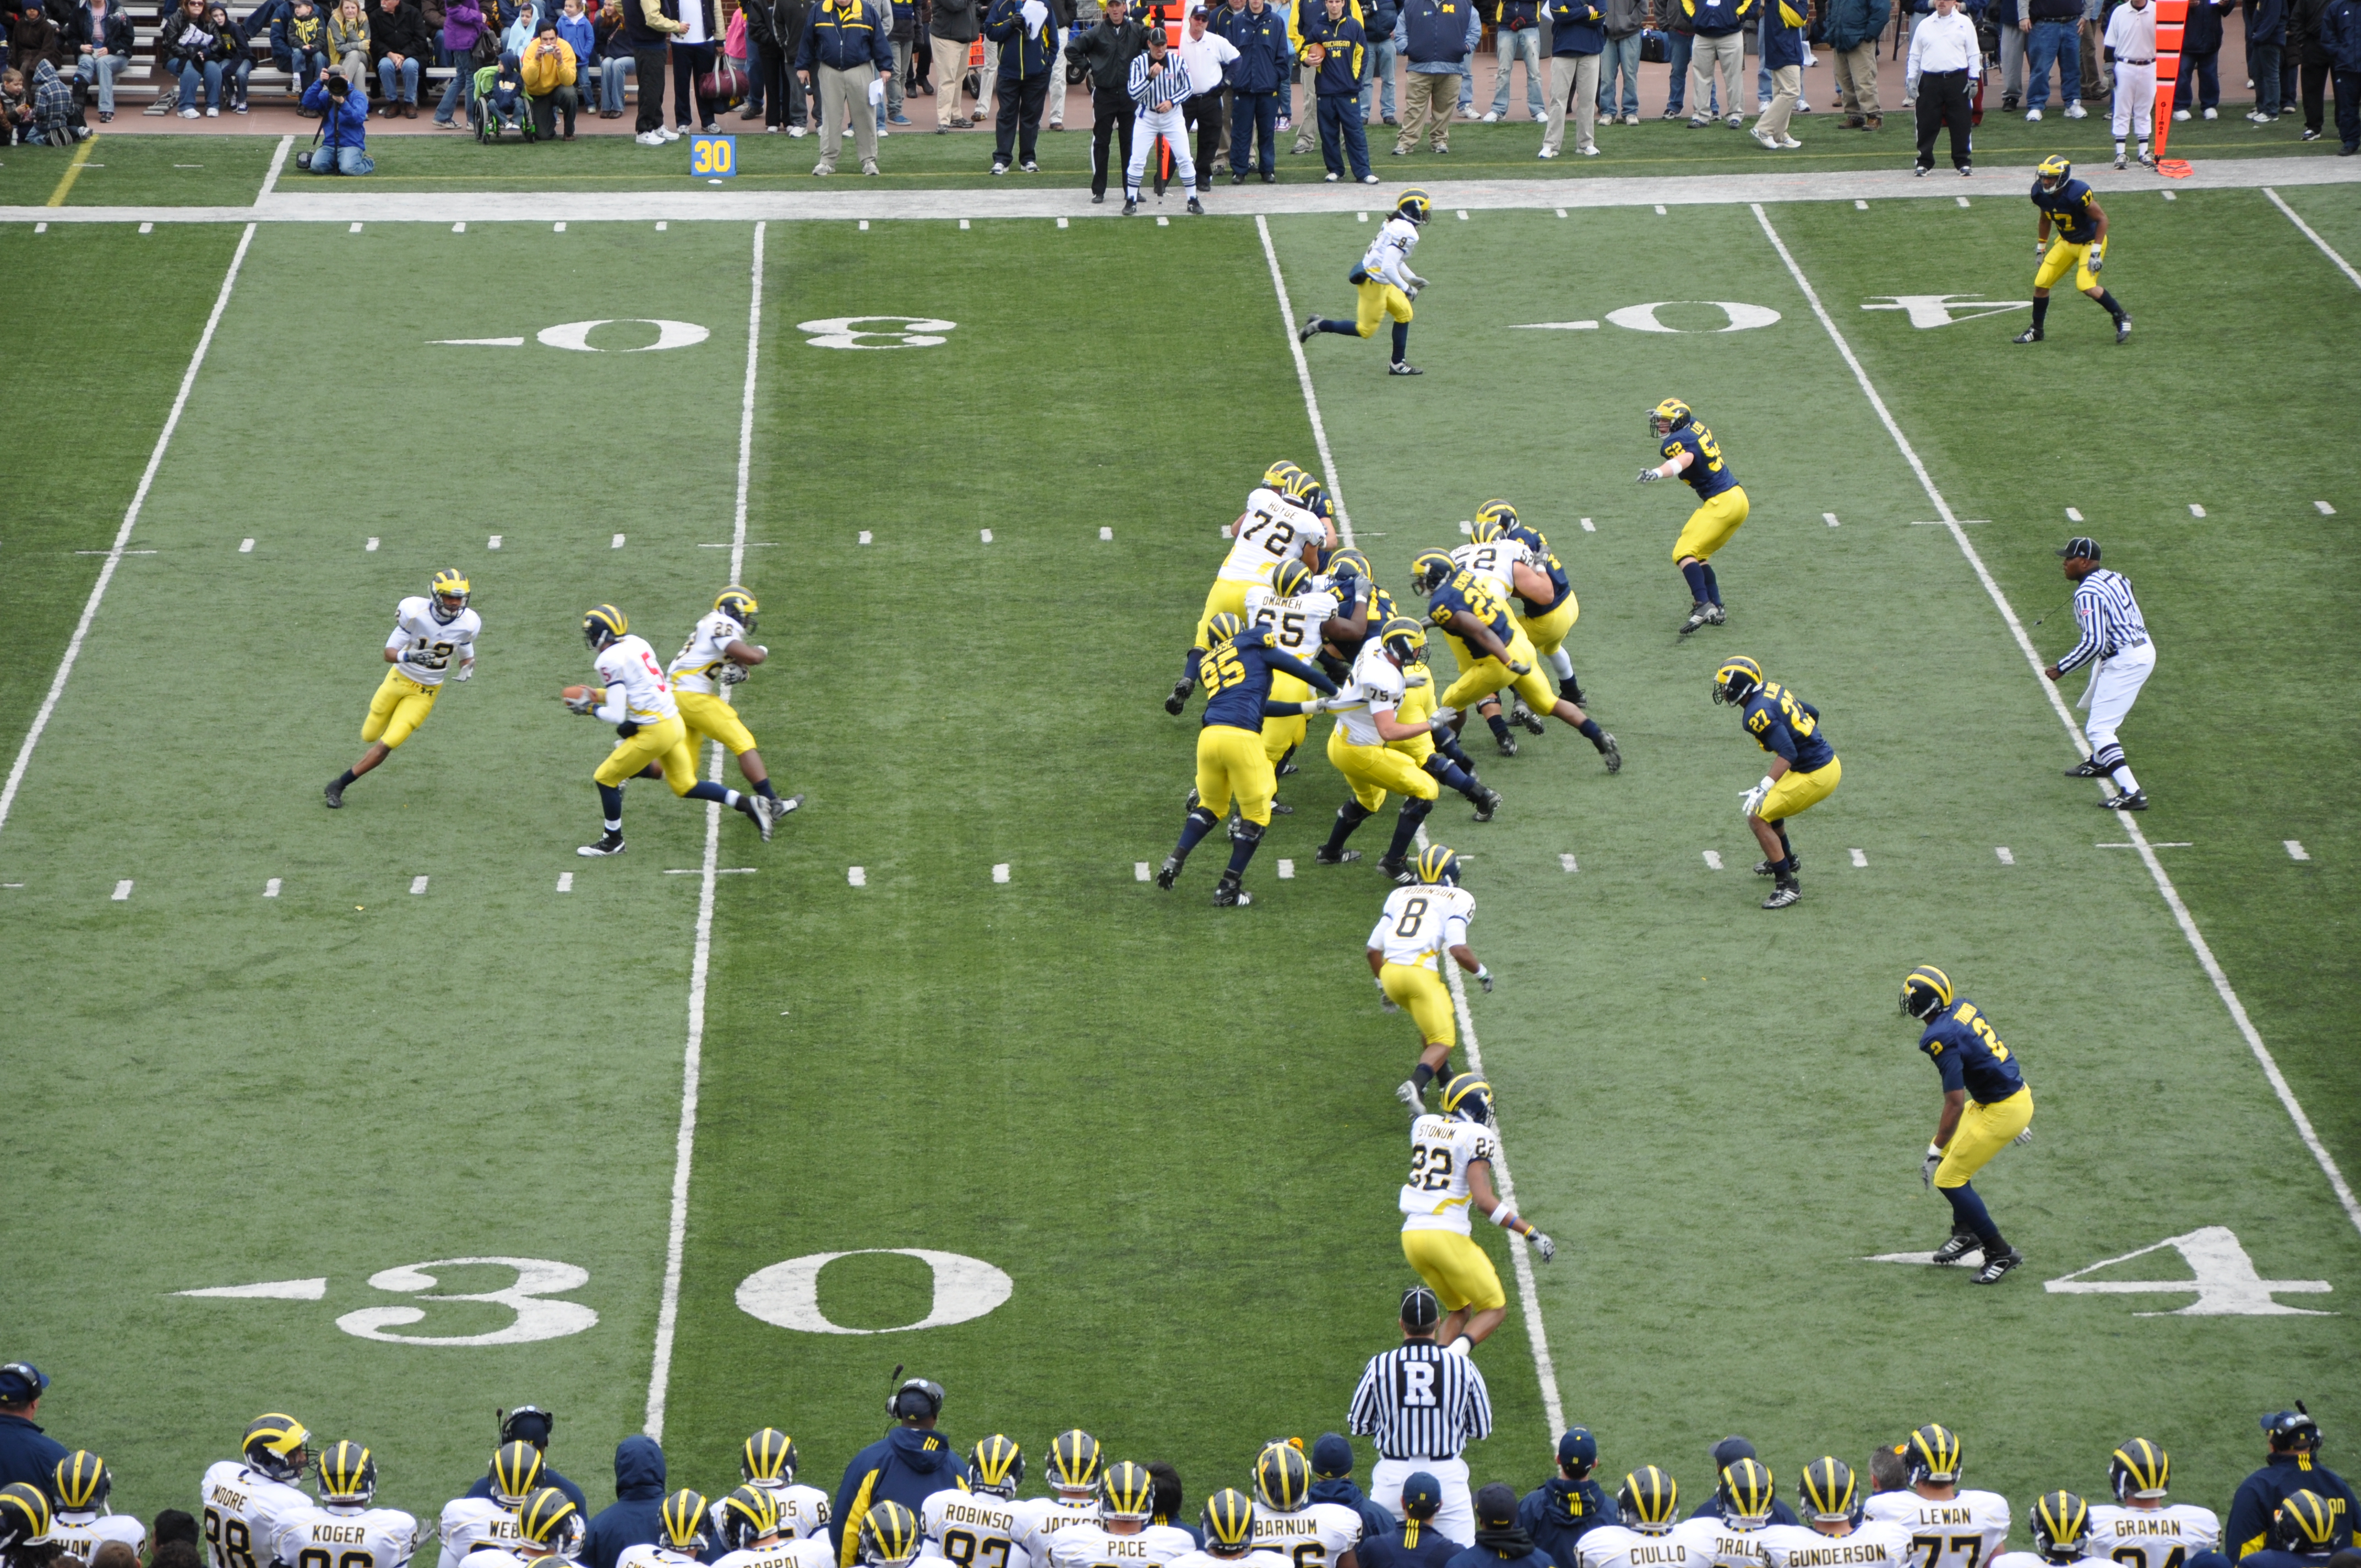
(1129, 1160)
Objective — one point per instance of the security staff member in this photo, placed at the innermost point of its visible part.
(1568, 1505)
(1943, 54)
(2293, 1466)
(26, 1452)
(907, 1465)
(1420, 1406)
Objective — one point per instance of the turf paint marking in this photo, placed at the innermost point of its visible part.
(2196, 510)
(1586, 527)
(1555, 326)
(2342, 265)
(1561, 212)
(1061, 222)
(2325, 509)
(150, 228)
(1000, 871)
(417, 885)
(268, 1290)
(2073, 516)
(661, 227)
(858, 876)
(1364, 217)
(1567, 863)
(962, 223)
(566, 882)
(2296, 851)
(1106, 533)
(537, 1316)
(1860, 859)
(864, 226)
(355, 229)
(2008, 856)
(900, 332)
(1286, 871)
(246, 546)
(2224, 1281)
(787, 1295)
(2164, 885)
(1162, 222)
(122, 538)
(122, 891)
(270, 176)
(1742, 316)
(371, 545)
(1140, 871)
(864, 536)
(461, 227)
(692, 1054)
(617, 543)
(1859, 205)
(1962, 200)
(73, 172)
(1830, 519)
(493, 542)
(559, 228)
(1660, 209)
(270, 888)
(987, 535)
(1713, 859)
(1931, 310)
(40, 228)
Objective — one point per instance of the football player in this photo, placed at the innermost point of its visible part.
(1124, 1534)
(81, 1484)
(1072, 1472)
(549, 1531)
(769, 1461)
(1451, 1155)
(717, 654)
(1308, 1534)
(244, 1503)
(1735, 1537)
(888, 1537)
(1506, 564)
(1986, 1106)
(2143, 1530)
(1828, 1500)
(1231, 762)
(1691, 454)
(1272, 529)
(25, 1523)
(638, 701)
(1387, 284)
(1375, 747)
(1648, 1506)
(2061, 1534)
(1499, 653)
(2081, 248)
(1306, 615)
(1546, 618)
(1227, 1523)
(430, 630)
(2307, 1530)
(344, 1527)
(1964, 1527)
(1419, 924)
(515, 1474)
(531, 1425)
(1803, 768)
(980, 1527)
(752, 1534)
(682, 1535)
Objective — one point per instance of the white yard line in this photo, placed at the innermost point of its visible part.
(2342, 265)
(2171, 895)
(278, 162)
(123, 534)
(1527, 1292)
(684, 1139)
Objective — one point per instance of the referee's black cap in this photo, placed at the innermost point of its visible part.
(1421, 1495)
(2080, 548)
(1496, 1507)
(1420, 1308)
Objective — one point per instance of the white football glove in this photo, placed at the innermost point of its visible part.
(2023, 1137)
(1541, 1244)
(1484, 979)
(579, 704)
(1444, 717)
(2095, 260)
(1416, 675)
(1521, 667)
(733, 674)
(467, 670)
(2040, 248)
(1385, 1003)
(1649, 475)
(1750, 801)
(1927, 1166)
(1415, 280)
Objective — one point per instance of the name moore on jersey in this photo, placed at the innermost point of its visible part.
(697, 666)
(1726, 1544)
(1967, 1531)
(971, 1530)
(1091, 1546)
(243, 1513)
(428, 647)
(636, 686)
(365, 1538)
(1868, 1545)
(2152, 1538)
(1274, 528)
(1314, 1535)
(469, 1522)
(1619, 1546)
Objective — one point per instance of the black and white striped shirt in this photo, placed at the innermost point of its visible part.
(2110, 618)
(1163, 89)
(1419, 1402)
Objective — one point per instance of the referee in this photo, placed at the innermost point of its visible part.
(1944, 62)
(1420, 1406)
(2115, 634)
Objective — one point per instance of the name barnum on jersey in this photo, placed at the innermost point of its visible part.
(1281, 1524)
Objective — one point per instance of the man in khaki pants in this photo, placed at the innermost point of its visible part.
(845, 45)
(1854, 29)
(1578, 35)
(955, 26)
(1721, 41)
(1436, 35)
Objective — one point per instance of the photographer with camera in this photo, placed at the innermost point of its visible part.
(344, 127)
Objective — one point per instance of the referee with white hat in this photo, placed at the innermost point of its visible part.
(2115, 634)
(1422, 1405)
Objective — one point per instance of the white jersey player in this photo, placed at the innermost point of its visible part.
(1496, 561)
(682, 1528)
(1295, 622)
(1649, 1507)
(1123, 1535)
(983, 1526)
(1228, 1524)
(429, 649)
(1308, 1534)
(432, 641)
(1831, 1536)
(549, 1533)
(2145, 1530)
(243, 1504)
(1387, 284)
(2062, 1535)
(1948, 1528)
(1073, 1478)
(344, 1530)
(1736, 1538)
(637, 688)
(467, 1523)
(753, 1535)
(1420, 926)
(769, 1460)
(637, 700)
(80, 1524)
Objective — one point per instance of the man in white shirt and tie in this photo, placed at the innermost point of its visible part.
(1944, 62)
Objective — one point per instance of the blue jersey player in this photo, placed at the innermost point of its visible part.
(1804, 767)
(1692, 455)
(1986, 1106)
(1231, 762)
(2066, 204)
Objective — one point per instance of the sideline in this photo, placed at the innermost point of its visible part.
(2064, 715)
(1528, 1292)
(2342, 265)
(123, 534)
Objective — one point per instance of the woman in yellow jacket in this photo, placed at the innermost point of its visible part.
(548, 69)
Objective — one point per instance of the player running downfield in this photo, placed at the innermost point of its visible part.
(1272, 529)
(1692, 454)
(1387, 284)
(1374, 746)
(344, 1527)
(1987, 1107)
(1493, 650)
(1648, 1504)
(1419, 925)
(1833, 1534)
(717, 654)
(1451, 1156)
(431, 630)
(2067, 205)
(1803, 768)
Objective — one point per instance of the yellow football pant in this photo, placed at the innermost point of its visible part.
(1710, 526)
(1420, 991)
(664, 742)
(1379, 300)
(1796, 792)
(715, 721)
(1374, 772)
(1548, 631)
(400, 707)
(1223, 596)
(1459, 1270)
(1984, 1131)
(1417, 708)
(2059, 258)
(1480, 679)
(1230, 762)
(1280, 734)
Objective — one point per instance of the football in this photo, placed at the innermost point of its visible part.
(575, 693)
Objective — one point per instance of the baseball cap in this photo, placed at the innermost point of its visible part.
(2080, 548)
(1421, 1495)
(1332, 1457)
(21, 1381)
(1496, 1507)
(1729, 1451)
(1577, 1447)
(1420, 1308)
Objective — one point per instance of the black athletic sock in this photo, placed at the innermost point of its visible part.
(1421, 1075)
(1341, 329)
(1785, 848)
(2107, 303)
(766, 791)
(1242, 850)
(1597, 737)
(1348, 818)
(611, 803)
(1968, 1212)
(1401, 341)
(344, 779)
(1193, 827)
(1452, 776)
(2040, 311)
(1712, 583)
(1413, 812)
(1499, 724)
(1695, 574)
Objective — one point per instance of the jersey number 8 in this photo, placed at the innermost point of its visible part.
(231, 1547)
(1414, 913)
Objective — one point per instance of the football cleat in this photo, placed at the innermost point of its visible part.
(24, 1516)
(781, 808)
(2131, 800)
(2030, 335)
(1995, 1266)
(449, 595)
(1649, 1502)
(608, 844)
(738, 604)
(1716, 616)
(1610, 752)
(1403, 367)
(1487, 803)
(1745, 1496)
(1525, 718)
(347, 1476)
(2140, 1469)
(1309, 330)
(1571, 692)
(769, 1458)
(1737, 679)
(82, 1483)
(1324, 856)
(1956, 1245)
(1784, 894)
(2088, 769)
(889, 1537)
(746, 1515)
(1506, 743)
(1228, 895)
(550, 1521)
(335, 793)
(1282, 1477)
(683, 1523)
(274, 1448)
(1700, 614)
(1667, 417)
(1764, 867)
(750, 807)
(995, 1467)
(1931, 1455)
(2061, 1526)
(2123, 328)
(1395, 866)
(1169, 873)
(1410, 1094)
(1286, 769)
(1180, 697)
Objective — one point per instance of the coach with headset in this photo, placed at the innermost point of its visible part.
(910, 1464)
(1422, 1405)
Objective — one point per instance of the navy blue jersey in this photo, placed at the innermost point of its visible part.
(1237, 676)
(1708, 475)
(1467, 591)
(1782, 722)
(1971, 1057)
(1537, 550)
(2247, 1530)
(2069, 208)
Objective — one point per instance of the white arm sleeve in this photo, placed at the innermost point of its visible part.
(1455, 932)
(1392, 267)
(1378, 934)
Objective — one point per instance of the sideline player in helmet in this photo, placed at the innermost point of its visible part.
(983, 1526)
(1286, 1519)
(889, 1538)
(683, 1534)
(79, 1486)
(2307, 1531)
(1803, 768)
(1973, 1525)
(1647, 1509)
(1227, 1525)
(549, 1531)
(343, 1522)
(638, 701)
(1387, 284)
(1421, 922)
(1493, 650)
(1372, 745)
(1732, 1531)
(768, 1460)
(430, 631)
(2142, 1529)
(1986, 1106)
(1691, 454)
(26, 1524)
(1073, 1472)
(516, 1472)
(2068, 205)
(1273, 529)
(2061, 1534)
(1124, 1532)
(247, 1501)
(1829, 1501)
(718, 654)
(1451, 1156)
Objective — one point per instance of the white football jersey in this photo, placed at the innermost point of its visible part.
(652, 1556)
(349, 1538)
(1619, 1546)
(469, 1521)
(1375, 687)
(2021, 1559)
(1257, 1559)
(1312, 1535)
(700, 658)
(434, 646)
(1495, 561)
(627, 666)
(2153, 1537)
(811, 1551)
(241, 1513)
(1090, 1546)
(1727, 1545)
(1272, 530)
(1389, 254)
(1423, 921)
(1956, 1532)
(803, 1510)
(487, 1556)
(1867, 1545)
(82, 1535)
(1294, 622)
(1038, 1521)
(975, 1530)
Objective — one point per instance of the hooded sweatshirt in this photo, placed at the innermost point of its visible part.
(636, 1515)
(907, 1465)
(1559, 1513)
(1375, 1521)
